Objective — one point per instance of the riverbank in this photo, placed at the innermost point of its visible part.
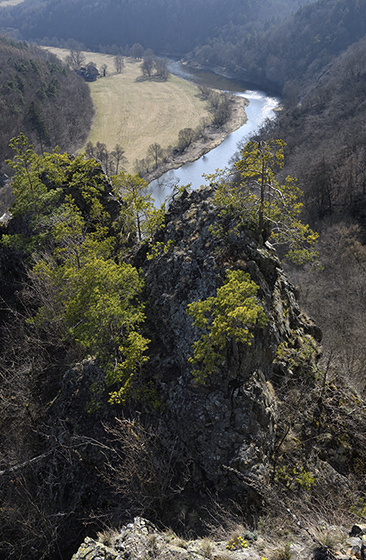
(213, 136)
(136, 113)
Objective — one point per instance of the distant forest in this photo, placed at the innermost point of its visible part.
(294, 49)
(169, 27)
(267, 42)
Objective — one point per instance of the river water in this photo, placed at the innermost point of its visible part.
(261, 107)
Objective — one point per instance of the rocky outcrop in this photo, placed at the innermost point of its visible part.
(140, 540)
(268, 429)
(231, 420)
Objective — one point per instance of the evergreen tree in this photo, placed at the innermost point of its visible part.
(85, 293)
(228, 317)
(262, 200)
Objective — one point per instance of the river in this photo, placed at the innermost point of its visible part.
(261, 107)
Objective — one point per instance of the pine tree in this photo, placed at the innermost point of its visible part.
(260, 199)
(227, 318)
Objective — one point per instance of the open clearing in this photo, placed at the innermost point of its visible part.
(135, 113)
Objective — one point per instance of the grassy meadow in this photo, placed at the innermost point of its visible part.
(136, 113)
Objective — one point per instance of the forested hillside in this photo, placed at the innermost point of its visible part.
(326, 138)
(42, 98)
(268, 43)
(156, 362)
(294, 49)
(166, 26)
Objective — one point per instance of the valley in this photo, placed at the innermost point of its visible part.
(183, 381)
(136, 113)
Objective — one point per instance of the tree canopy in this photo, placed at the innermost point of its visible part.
(259, 197)
(227, 318)
(72, 230)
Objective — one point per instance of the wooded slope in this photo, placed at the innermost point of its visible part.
(42, 98)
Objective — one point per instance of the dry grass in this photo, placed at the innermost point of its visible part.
(135, 113)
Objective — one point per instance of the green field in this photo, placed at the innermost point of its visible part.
(135, 113)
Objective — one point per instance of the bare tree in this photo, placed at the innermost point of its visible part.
(141, 166)
(89, 150)
(148, 468)
(147, 66)
(118, 157)
(119, 63)
(201, 128)
(215, 100)
(101, 153)
(137, 51)
(222, 112)
(156, 152)
(161, 70)
(185, 138)
(75, 59)
(205, 91)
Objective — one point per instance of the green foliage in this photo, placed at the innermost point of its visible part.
(259, 199)
(296, 478)
(300, 357)
(138, 213)
(44, 184)
(360, 508)
(95, 300)
(87, 296)
(160, 248)
(32, 196)
(132, 353)
(230, 316)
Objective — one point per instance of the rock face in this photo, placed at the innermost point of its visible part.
(230, 421)
(140, 540)
(206, 440)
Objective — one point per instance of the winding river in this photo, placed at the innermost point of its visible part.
(261, 107)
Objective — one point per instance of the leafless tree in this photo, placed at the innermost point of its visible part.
(90, 150)
(161, 70)
(148, 467)
(75, 59)
(119, 63)
(137, 51)
(147, 66)
(223, 111)
(118, 157)
(205, 91)
(156, 152)
(141, 166)
(185, 138)
(101, 153)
